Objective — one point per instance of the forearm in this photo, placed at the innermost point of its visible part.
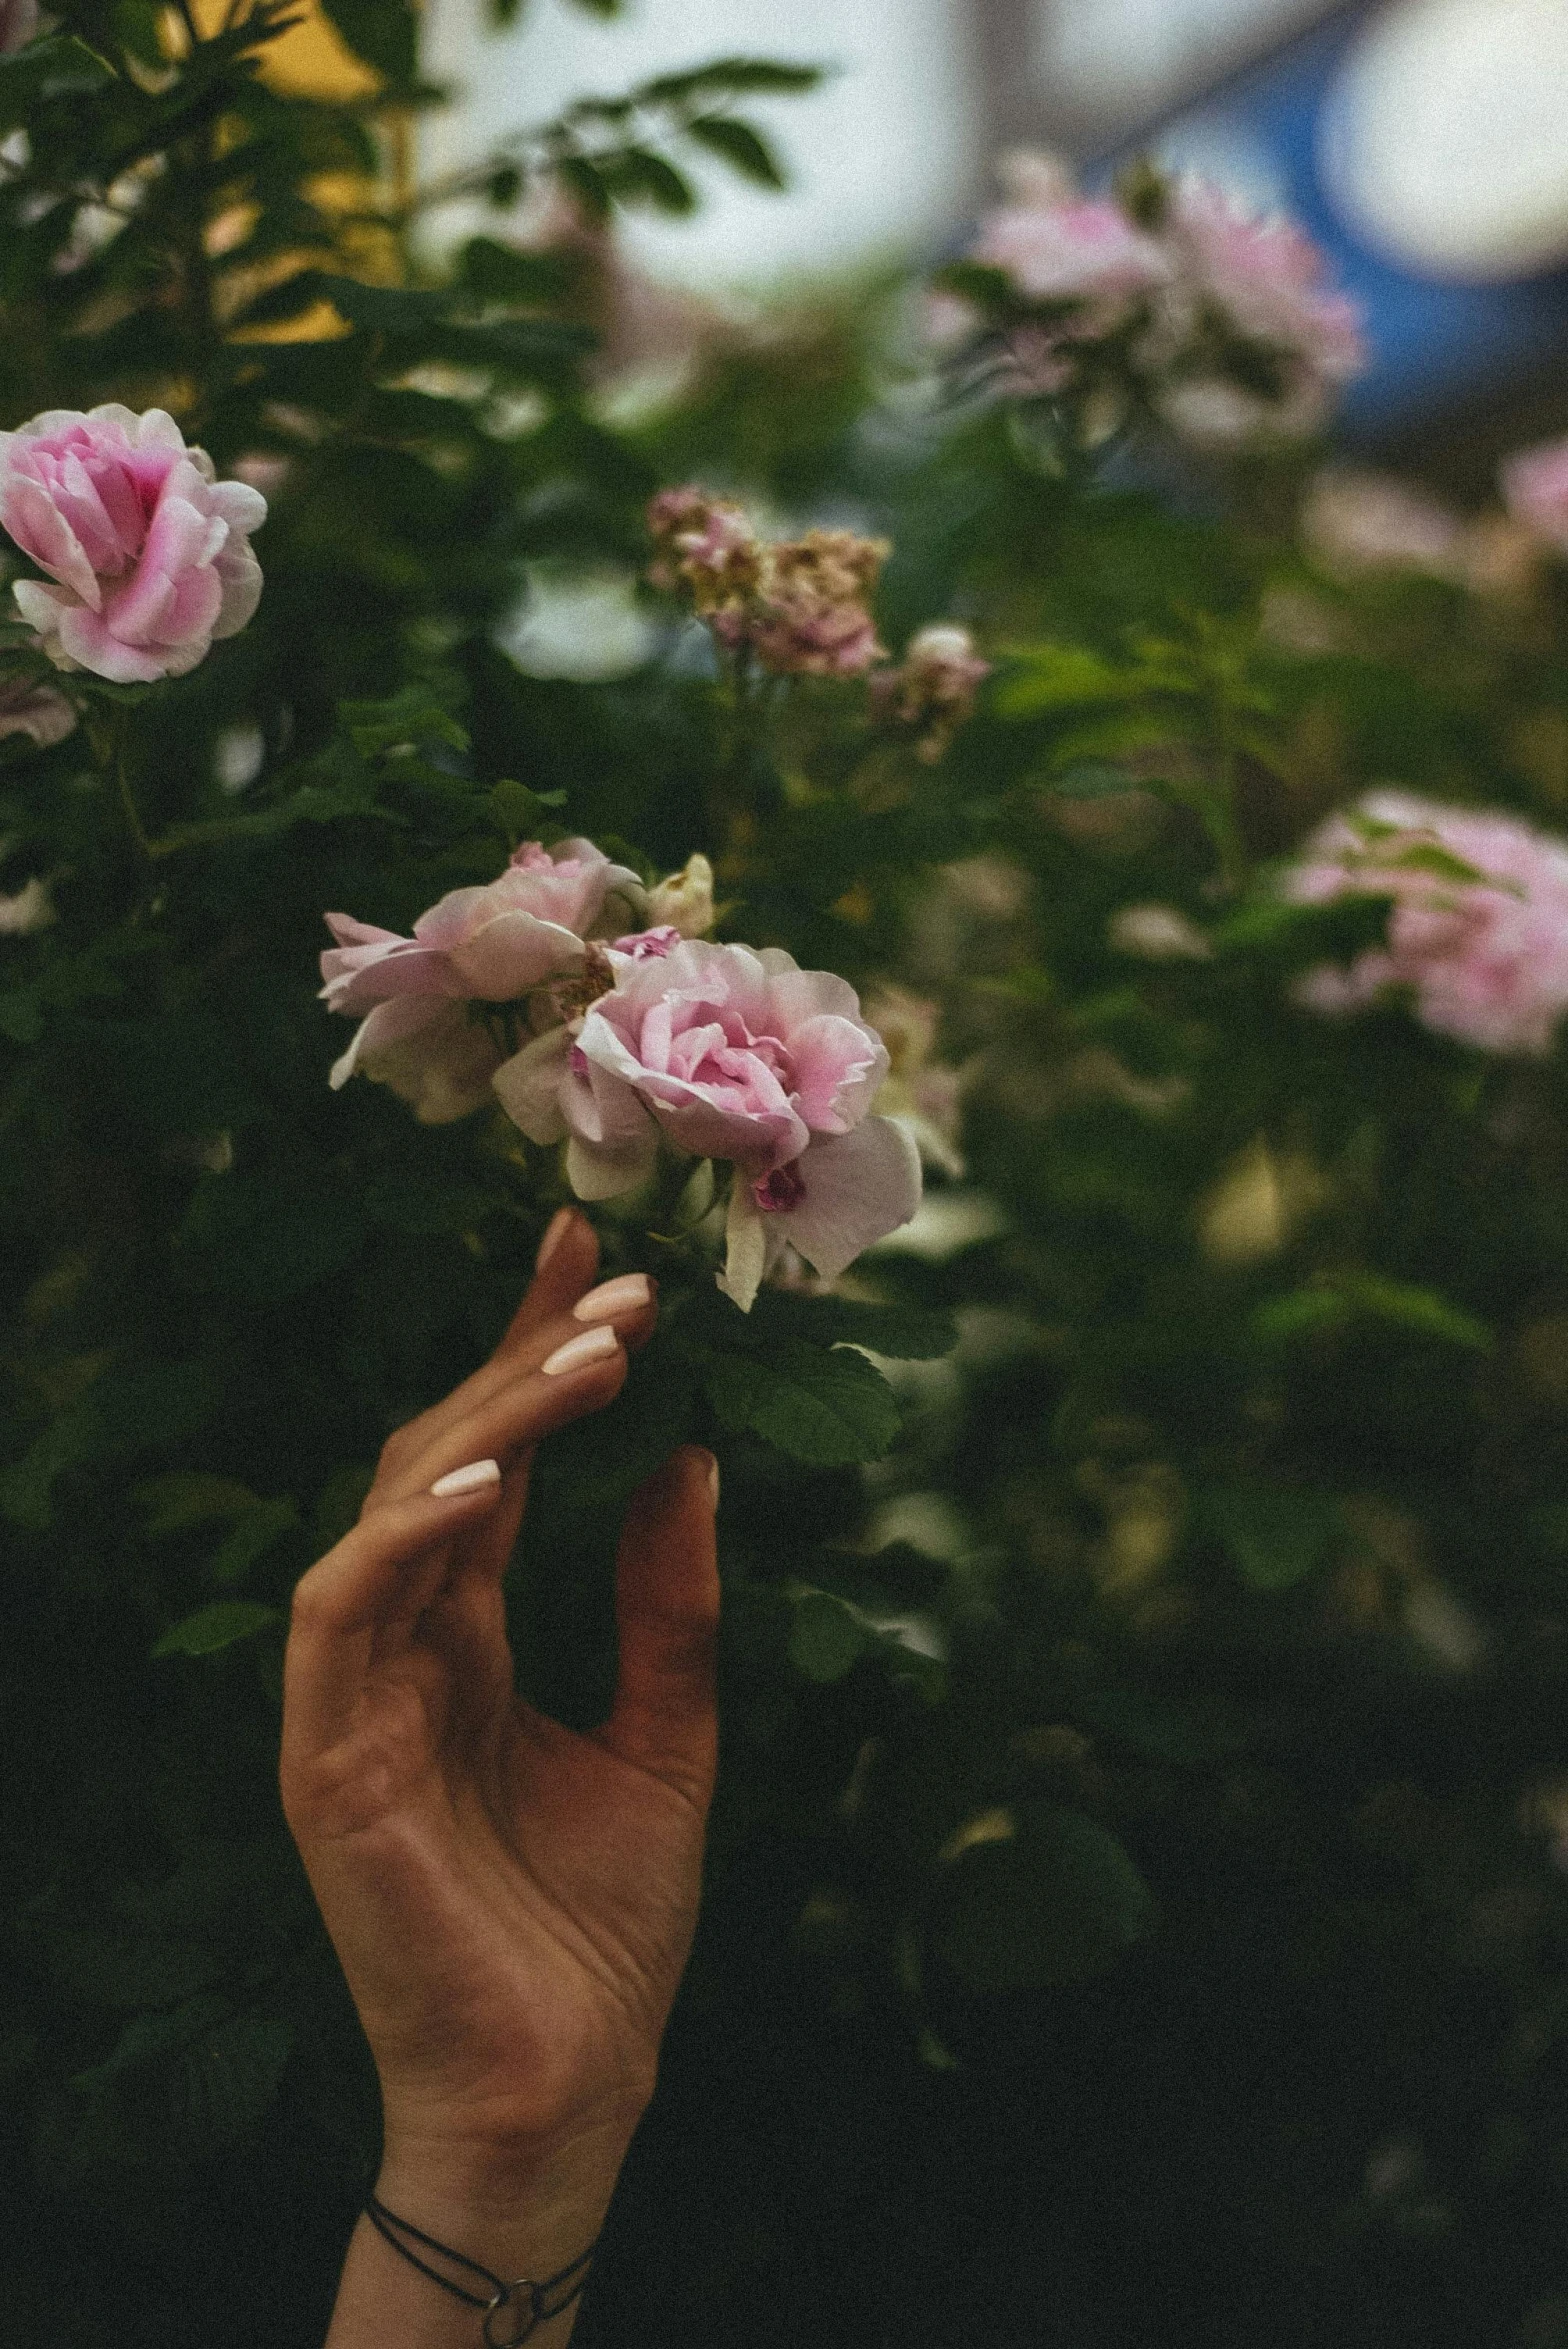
(530, 2215)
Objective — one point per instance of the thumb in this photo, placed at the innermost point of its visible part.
(664, 1718)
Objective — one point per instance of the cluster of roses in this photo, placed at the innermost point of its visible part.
(1220, 322)
(798, 607)
(636, 1043)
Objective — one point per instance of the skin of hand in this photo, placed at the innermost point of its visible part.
(512, 1902)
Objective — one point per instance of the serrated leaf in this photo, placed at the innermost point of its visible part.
(741, 147)
(830, 1408)
(217, 1626)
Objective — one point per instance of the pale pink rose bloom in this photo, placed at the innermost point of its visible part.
(35, 710)
(1056, 246)
(493, 944)
(1535, 491)
(1082, 250)
(734, 1055)
(1264, 278)
(150, 552)
(18, 24)
(1485, 961)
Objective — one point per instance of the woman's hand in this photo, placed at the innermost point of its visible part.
(512, 1903)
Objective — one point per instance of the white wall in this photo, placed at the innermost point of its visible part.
(882, 159)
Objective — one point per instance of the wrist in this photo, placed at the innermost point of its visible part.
(531, 2203)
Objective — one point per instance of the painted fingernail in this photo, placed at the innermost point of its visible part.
(628, 1294)
(577, 1353)
(555, 1233)
(471, 1479)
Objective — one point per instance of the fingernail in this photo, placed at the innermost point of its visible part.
(577, 1353)
(628, 1294)
(713, 1479)
(471, 1479)
(555, 1233)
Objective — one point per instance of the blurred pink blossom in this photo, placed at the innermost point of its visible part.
(1535, 491)
(733, 1055)
(494, 944)
(149, 554)
(1484, 960)
(1260, 282)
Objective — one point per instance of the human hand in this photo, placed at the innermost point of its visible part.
(512, 1902)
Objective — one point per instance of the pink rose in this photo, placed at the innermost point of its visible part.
(1535, 491)
(151, 553)
(1483, 960)
(736, 1055)
(1079, 250)
(35, 710)
(1261, 280)
(18, 23)
(494, 944)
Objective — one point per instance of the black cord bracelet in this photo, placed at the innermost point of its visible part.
(530, 2303)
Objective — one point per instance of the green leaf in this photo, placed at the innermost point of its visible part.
(635, 175)
(183, 2084)
(521, 812)
(385, 33)
(1335, 1302)
(1276, 1534)
(830, 1408)
(582, 180)
(187, 1498)
(1055, 1902)
(214, 1627)
(253, 1536)
(827, 1638)
(1059, 677)
(751, 76)
(741, 147)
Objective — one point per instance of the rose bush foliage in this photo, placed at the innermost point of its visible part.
(1136, 1905)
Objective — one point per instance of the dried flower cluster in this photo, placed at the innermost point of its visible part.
(799, 606)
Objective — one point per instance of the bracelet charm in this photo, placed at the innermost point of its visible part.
(527, 2304)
